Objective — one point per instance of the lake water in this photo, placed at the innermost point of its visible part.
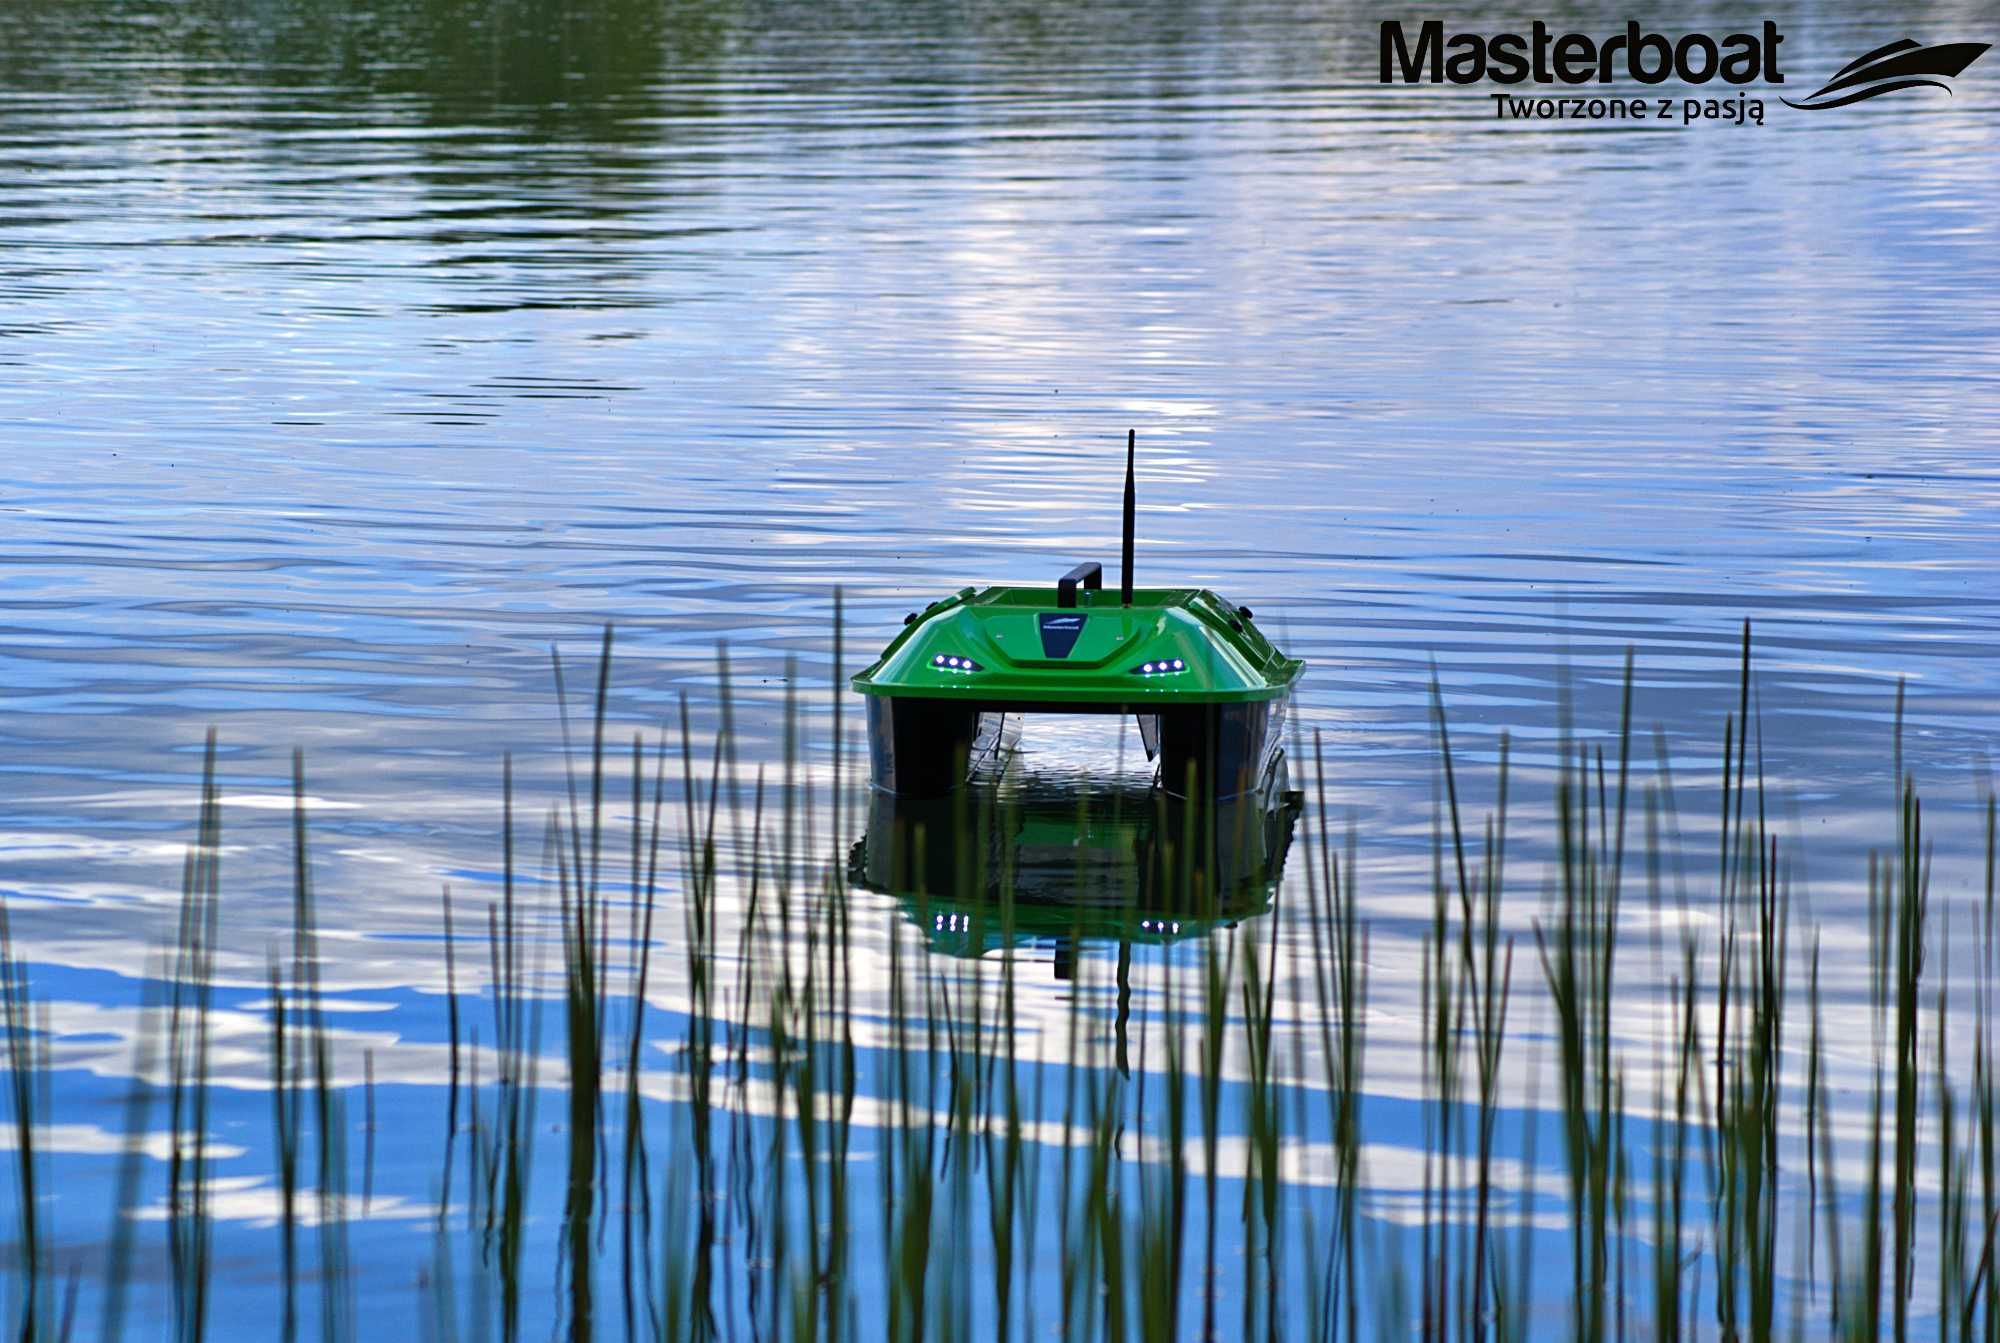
(353, 356)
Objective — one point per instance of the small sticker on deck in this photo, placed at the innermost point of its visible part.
(1059, 634)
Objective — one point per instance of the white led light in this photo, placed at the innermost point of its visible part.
(1147, 668)
(1178, 664)
(939, 659)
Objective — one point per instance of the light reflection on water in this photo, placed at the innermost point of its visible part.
(348, 360)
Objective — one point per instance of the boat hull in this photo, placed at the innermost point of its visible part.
(925, 748)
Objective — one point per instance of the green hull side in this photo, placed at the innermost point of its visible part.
(1025, 650)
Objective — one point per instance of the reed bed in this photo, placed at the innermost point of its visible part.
(699, 1087)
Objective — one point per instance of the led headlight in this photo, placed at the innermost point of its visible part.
(1160, 667)
(955, 662)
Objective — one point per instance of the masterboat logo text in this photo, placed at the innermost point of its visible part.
(1578, 58)
(1429, 53)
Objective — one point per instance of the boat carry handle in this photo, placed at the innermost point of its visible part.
(1090, 574)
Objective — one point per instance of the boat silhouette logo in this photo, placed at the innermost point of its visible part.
(1903, 64)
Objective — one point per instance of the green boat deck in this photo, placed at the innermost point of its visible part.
(1022, 648)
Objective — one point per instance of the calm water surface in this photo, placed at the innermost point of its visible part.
(351, 357)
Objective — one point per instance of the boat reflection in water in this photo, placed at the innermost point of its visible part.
(1040, 864)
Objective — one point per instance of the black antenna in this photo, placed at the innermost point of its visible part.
(1131, 499)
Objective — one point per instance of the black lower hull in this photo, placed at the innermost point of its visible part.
(922, 748)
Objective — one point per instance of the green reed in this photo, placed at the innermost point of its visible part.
(26, 1056)
(858, 1144)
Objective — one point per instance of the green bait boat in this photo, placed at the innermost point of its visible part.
(1208, 689)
